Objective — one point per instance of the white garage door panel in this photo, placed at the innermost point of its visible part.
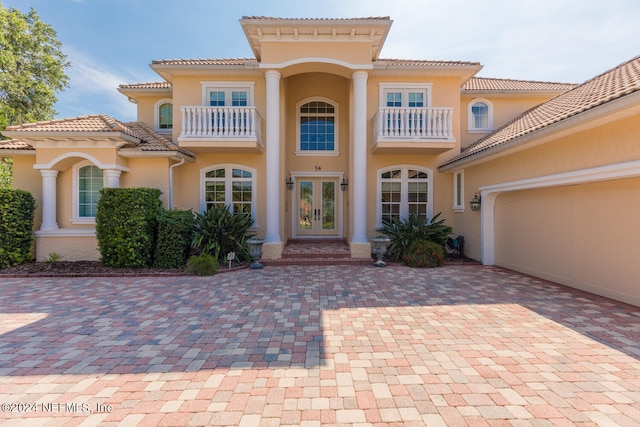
(586, 236)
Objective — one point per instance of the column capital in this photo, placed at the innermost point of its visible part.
(359, 75)
(51, 173)
(272, 74)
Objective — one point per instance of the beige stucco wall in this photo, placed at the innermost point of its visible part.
(148, 172)
(505, 108)
(585, 236)
(187, 91)
(280, 52)
(611, 143)
(71, 247)
(25, 177)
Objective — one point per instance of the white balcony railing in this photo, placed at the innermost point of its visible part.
(221, 123)
(414, 123)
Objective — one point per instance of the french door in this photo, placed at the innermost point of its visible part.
(317, 207)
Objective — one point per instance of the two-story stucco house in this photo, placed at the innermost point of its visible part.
(318, 137)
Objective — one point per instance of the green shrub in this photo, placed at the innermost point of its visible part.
(17, 208)
(175, 233)
(404, 232)
(202, 265)
(424, 254)
(126, 224)
(218, 232)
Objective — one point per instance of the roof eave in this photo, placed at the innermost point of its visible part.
(170, 154)
(168, 71)
(630, 102)
(14, 152)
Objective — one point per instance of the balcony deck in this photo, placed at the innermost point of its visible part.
(223, 129)
(413, 130)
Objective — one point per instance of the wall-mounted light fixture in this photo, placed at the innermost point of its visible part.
(475, 203)
(344, 184)
(289, 183)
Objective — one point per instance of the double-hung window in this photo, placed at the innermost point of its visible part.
(317, 127)
(163, 116)
(225, 96)
(480, 114)
(404, 105)
(402, 191)
(88, 180)
(233, 186)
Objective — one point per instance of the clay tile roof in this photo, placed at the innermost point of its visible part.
(153, 85)
(271, 18)
(224, 61)
(14, 144)
(505, 85)
(606, 87)
(148, 139)
(424, 62)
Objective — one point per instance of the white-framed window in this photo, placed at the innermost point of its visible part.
(317, 127)
(163, 115)
(227, 94)
(229, 185)
(458, 191)
(88, 180)
(407, 95)
(480, 113)
(403, 190)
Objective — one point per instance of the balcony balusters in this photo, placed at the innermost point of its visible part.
(414, 123)
(221, 122)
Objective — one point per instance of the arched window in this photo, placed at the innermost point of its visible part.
(317, 127)
(89, 183)
(402, 191)
(164, 115)
(229, 185)
(480, 115)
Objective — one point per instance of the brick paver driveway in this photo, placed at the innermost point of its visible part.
(308, 346)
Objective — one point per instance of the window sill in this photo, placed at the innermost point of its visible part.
(83, 221)
(458, 209)
(479, 130)
(317, 153)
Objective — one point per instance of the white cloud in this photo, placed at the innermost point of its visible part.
(95, 83)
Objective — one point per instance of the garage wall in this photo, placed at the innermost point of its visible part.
(586, 236)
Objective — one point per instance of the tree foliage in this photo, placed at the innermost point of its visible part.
(32, 68)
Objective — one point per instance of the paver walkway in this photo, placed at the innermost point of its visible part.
(311, 346)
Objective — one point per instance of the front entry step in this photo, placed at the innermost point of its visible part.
(317, 252)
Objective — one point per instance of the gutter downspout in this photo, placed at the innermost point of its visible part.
(180, 163)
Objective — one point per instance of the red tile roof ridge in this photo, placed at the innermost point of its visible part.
(205, 61)
(146, 85)
(615, 83)
(366, 18)
(495, 83)
(426, 61)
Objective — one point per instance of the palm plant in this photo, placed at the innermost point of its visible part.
(404, 232)
(218, 231)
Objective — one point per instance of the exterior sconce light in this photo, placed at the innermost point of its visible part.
(475, 203)
(289, 183)
(344, 184)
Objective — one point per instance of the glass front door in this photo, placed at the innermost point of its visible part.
(317, 213)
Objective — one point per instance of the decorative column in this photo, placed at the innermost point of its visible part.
(112, 178)
(49, 177)
(273, 163)
(359, 179)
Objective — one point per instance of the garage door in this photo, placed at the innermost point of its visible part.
(586, 236)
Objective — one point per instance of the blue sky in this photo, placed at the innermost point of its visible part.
(111, 42)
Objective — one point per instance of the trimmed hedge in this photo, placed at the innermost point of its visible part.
(126, 224)
(17, 208)
(175, 232)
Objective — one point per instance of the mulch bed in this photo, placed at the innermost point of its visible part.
(93, 269)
